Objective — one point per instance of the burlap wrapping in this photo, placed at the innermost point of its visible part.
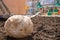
(18, 26)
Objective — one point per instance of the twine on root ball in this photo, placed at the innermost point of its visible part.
(18, 26)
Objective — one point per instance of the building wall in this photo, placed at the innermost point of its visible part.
(15, 6)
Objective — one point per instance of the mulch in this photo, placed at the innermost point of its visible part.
(45, 28)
